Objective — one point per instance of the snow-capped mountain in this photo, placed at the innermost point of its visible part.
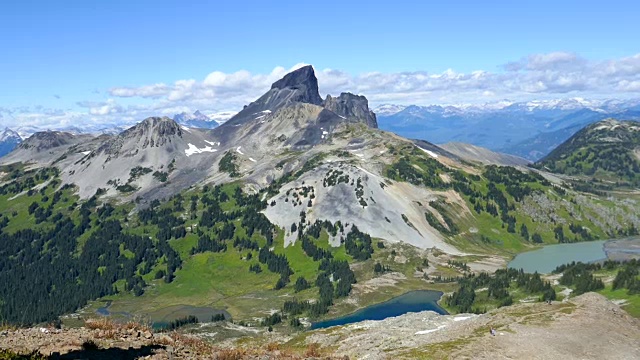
(9, 139)
(222, 116)
(528, 129)
(388, 109)
(200, 120)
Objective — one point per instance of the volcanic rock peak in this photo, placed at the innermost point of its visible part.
(303, 79)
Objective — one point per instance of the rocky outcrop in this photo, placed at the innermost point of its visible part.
(354, 108)
(151, 132)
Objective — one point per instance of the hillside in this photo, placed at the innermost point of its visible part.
(474, 153)
(608, 150)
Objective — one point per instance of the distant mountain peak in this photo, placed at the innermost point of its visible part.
(197, 120)
(45, 140)
(8, 134)
(154, 131)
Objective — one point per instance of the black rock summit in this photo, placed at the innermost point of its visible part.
(301, 86)
(304, 82)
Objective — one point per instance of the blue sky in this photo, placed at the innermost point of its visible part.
(68, 56)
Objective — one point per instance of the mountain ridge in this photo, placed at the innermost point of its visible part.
(608, 150)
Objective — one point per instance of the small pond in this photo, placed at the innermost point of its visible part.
(163, 317)
(414, 301)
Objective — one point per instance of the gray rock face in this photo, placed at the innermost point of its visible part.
(297, 86)
(151, 132)
(354, 108)
(304, 80)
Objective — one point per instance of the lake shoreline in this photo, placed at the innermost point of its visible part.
(547, 258)
(411, 301)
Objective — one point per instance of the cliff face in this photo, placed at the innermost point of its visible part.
(355, 108)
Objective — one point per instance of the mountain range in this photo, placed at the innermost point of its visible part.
(526, 129)
(200, 120)
(297, 205)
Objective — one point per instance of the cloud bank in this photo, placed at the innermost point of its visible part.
(537, 76)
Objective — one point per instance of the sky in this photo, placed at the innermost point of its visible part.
(97, 62)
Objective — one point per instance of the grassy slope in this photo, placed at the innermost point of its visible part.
(222, 280)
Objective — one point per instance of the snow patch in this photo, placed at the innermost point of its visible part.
(238, 150)
(430, 331)
(85, 152)
(431, 153)
(212, 143)
(195, 150)
(252, 159)
(462, 318)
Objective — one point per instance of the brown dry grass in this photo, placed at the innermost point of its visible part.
(272, 346)
(313, 350)
(110, 329)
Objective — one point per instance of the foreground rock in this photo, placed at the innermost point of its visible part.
(106, 340)
(586, 327)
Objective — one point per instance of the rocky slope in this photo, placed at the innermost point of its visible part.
(481, 155)
(43, 148)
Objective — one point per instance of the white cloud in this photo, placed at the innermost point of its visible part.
(148, 91)
(556, 74)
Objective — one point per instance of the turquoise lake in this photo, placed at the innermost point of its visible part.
(546, 259)
(414, 301)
